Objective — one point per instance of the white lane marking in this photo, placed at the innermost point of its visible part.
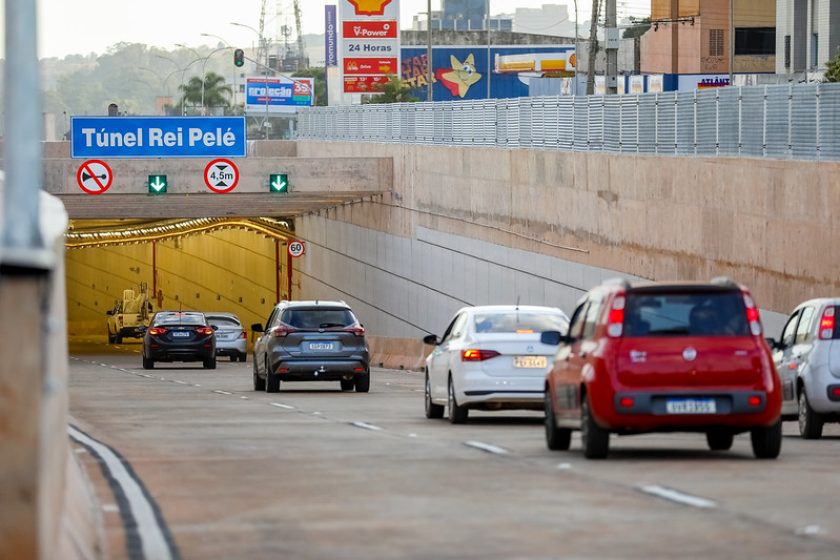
(81, 450)
(146, 375)
(148, 530)
(366, 426)
(412, 435)
(316, 413)
(110, 508)
(222, 392)
(564, 466)
(244, 398)
(181, 382)
(197, 385)
(486, 447)
(281, 405)
(809, 530)
(677, 496)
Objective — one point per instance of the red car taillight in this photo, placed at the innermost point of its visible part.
(157, 331)
(615, 321)
(206, 331)
(827, 323)
(753, 317)
(282, 330)
(474, 355)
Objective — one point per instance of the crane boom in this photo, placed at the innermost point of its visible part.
(262, 49)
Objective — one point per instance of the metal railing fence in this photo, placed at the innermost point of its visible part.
(780, 122)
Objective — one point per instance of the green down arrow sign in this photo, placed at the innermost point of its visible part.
(157, 184)
(279, 182)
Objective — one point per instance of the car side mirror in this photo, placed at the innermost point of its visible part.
(257, 327)
(215, 327)
(555, 338)
(431, 340)
(771, 342)
(141, 329)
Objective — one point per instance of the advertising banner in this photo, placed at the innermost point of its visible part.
(278, 94)
(370, 43)
(331, 37)
(157, 137)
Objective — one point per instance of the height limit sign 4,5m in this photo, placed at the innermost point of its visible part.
(221, 175)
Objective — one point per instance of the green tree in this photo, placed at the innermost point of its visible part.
(213, 93)
(320, 76)
(832, 69)
(394, 91)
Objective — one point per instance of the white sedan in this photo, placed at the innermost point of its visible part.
(491, 358)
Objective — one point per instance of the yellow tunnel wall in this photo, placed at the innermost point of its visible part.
(225, 270)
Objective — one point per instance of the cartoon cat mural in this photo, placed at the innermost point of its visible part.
(461, 77)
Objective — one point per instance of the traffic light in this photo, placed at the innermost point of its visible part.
(238, 57)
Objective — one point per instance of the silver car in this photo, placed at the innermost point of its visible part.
(808, 360)
(231, 339)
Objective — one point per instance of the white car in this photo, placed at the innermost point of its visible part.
(491, 358)
(231, 339)
(808, 361)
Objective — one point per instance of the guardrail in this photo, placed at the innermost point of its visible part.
(780, 122)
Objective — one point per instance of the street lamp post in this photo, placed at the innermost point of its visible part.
(429, 71)
(235, 89)
(202, 73)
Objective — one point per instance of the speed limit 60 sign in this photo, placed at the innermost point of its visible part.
(296, 249)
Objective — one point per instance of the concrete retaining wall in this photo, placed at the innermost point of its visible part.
(769, 224)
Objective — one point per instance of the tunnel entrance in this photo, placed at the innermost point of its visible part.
(235, 265)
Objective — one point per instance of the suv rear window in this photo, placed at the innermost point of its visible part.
(301, 318)
(685, 314)
(511, 322)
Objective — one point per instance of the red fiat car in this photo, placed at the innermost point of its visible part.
(663, 357)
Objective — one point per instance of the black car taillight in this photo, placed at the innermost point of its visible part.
(206, 331)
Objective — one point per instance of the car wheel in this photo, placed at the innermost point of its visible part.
(243, 357)
(272, 380)
(347, 384)
(363, 383)
(118, 338)
(810, 422)
(719, 440)
(111, 338)
(557, 439)
(210, 363)
(596, 440)
(259, 382)
(432, 410)
(458, 414)
(767, 442)
(148, 363)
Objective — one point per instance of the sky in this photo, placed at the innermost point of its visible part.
(85, 26)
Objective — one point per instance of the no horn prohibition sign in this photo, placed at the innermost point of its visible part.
(221, 175)
(94, 176)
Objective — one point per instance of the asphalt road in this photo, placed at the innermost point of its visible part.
(312, 472)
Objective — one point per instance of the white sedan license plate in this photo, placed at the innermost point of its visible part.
(691, 406)
(530, 362)
(322, 346)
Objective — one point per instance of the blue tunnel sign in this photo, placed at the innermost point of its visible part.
(158, 137)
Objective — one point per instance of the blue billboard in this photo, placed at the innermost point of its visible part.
(471, 73)
(157, 137)
(278, 94)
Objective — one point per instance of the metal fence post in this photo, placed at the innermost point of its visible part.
(817, 128)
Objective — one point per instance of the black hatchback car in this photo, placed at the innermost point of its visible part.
(311, 341)
(179, 336)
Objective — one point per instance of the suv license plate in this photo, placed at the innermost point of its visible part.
(322, 346)
(530, 362)
(691, 406)
(180, 334)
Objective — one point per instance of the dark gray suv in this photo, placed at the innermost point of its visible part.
(311, 341)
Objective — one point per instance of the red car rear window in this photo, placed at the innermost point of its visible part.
(685, 314)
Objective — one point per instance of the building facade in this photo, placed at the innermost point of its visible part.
(550, 19)
(807, 34)
(696, 40)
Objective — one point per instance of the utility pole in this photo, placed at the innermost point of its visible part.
(675, 36)
(731, 42)
(593, 48)
(611, 36)
(429, 70)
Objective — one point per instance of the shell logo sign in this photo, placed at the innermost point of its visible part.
(370, 7)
